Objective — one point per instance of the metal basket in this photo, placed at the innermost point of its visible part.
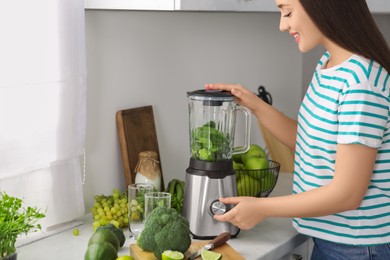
(257, 183)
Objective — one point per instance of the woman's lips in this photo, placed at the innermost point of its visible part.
(295, 36)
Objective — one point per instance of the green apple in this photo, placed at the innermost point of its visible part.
(237, 157)
(238, 166)
(256, 163)
(256, 149)
(248, 186)
(268, 181)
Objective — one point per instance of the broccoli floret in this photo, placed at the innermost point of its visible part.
(205, 155)
(210, 144)
(165, 229)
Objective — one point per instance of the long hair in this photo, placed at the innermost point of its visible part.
(349, 24)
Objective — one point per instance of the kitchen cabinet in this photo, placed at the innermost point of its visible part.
(183, 5)
(163, 5)
(227, 5)
(259, 6)
(376, 6)
(206, 5)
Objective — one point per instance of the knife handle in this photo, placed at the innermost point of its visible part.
(220, 239)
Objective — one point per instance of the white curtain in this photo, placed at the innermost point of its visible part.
(42, 105)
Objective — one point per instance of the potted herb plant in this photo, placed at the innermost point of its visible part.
(14, 221)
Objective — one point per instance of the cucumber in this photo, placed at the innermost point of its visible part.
(179, 191)
(171, 186)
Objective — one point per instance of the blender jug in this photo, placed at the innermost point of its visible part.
(212, 120)
(210, 175)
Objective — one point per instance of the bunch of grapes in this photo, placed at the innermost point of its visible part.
(110, 209)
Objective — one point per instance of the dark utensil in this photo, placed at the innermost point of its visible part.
(264, 95)
(219, 240)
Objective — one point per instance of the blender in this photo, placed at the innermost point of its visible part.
(210, 175)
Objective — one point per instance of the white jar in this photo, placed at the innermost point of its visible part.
(148, 169)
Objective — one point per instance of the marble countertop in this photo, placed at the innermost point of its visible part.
(271, 239)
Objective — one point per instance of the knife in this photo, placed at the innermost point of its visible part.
(216, 242)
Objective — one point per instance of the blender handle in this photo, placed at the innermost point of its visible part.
(245, 148)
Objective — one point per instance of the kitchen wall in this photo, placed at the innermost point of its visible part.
(138, 58)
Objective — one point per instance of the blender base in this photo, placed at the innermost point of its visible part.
(201, 203)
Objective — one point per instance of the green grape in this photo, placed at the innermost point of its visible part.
(103, 222)
(112, 209)
(95, 225)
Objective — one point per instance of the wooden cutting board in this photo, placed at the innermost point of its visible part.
(137, 133)
(228, 253)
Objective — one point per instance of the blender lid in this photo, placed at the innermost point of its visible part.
(211, 95)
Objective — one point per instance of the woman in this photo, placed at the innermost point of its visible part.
(341, 189)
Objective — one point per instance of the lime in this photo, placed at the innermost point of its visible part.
(100, 251)
(117, 231)
(172, 255)
(210, 255)
(104, 235)
(125, 257)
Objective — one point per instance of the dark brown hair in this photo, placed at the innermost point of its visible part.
(349, 24)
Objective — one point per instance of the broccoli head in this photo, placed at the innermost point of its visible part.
(165, 229)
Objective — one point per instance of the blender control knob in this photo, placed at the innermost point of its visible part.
(217, 207)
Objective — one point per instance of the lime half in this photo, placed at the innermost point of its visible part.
(172, 255)
(210, 255)
(125, 257)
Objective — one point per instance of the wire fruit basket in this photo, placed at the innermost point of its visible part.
(257, 183)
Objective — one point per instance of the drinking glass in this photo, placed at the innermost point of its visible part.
(156, 199)
(136, 197)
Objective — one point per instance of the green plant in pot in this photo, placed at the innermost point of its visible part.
(14, 221)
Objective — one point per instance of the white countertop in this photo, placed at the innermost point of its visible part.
(271, 239)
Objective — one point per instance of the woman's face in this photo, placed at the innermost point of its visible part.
(294, 19)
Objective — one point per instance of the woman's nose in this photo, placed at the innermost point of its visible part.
(283, 25)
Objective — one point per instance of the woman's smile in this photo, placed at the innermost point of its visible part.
(296, 37)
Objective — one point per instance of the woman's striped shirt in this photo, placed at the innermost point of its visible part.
(346, 104)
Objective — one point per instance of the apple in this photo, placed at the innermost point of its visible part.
(255, 151)
(237, 157)
(248, 186)
(268, 181)
(238, 166)
(256, 163)
(258, 150)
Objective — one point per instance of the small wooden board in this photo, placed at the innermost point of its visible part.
(228, 253)
(137, 133)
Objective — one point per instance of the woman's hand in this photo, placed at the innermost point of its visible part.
(245, 214)
(243, 96)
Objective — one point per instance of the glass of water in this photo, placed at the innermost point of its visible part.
(136, 198)
(156, 199)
